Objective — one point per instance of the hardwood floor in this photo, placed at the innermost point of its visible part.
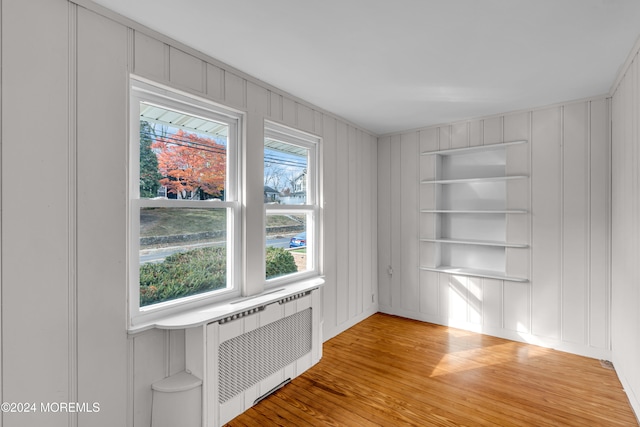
(391, 371)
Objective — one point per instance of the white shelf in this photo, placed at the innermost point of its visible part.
(475, 216)
(472, 149)
(472, 180)
(487, 274)
(445, 211)
(477, 242)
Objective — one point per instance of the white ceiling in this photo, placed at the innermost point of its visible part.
(392, 65)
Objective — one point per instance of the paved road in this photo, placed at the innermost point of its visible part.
(158, 255)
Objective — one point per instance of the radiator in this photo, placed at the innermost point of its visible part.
(245, 356)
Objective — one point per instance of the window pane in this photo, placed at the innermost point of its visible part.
(181, 156)
(285, 173)
(286, 251)
(183, 252)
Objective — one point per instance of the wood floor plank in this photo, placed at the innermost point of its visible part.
(391, 371)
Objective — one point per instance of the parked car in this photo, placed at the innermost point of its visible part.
(299, 240)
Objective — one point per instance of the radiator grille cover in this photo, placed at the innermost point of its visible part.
(249, 358)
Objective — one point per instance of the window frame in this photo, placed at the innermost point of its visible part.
(312, 207)
(142, 90)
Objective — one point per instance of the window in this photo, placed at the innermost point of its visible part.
(291, 198)
(185, 213)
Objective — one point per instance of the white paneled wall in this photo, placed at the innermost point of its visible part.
(64, 219)
(102, 131)
(625, 305)
(36, 272)
(565, 304)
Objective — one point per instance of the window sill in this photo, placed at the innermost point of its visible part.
(219, 311)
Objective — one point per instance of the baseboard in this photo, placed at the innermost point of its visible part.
(581, 350)
(628, 389)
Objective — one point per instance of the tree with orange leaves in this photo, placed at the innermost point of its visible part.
(192, 166)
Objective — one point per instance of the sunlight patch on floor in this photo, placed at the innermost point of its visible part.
(477, 358)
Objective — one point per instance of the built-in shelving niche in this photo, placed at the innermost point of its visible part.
(464, 211)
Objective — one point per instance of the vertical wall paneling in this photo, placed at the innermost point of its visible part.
(599, 208)
(289, 111)
(305, 118)
(215, 82)
(575, 222)
(1, 210)
(494, 308)
(546, 217)
(352, 242)
(475, 296)
(368, 148)
(429, 293)
(444, 137)
(428, 281)
(635, 371)
(492, 130)
(150, 365)
(476, 131)
(186, 70)
(409, 159)
(72, 151)
(373, 244)
(625, 238)
(257, 99)
(234, 90)
(516, 296)
(102, 93)
(563, 235)
(357, 195)
(176, 343)
(331, 239)
(342, 250)
(455, 290)
(444, 300)
(275, 110)
(621, 338)
(36, 250)
(396, 241)
(631, 123)
(384, 222)
(361, 185)
(459, 135)
(151, 58)
(368, 221)
(318, 123)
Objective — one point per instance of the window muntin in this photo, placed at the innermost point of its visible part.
(184, 202)
(291, 197)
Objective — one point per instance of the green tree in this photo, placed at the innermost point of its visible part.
(149, 175)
